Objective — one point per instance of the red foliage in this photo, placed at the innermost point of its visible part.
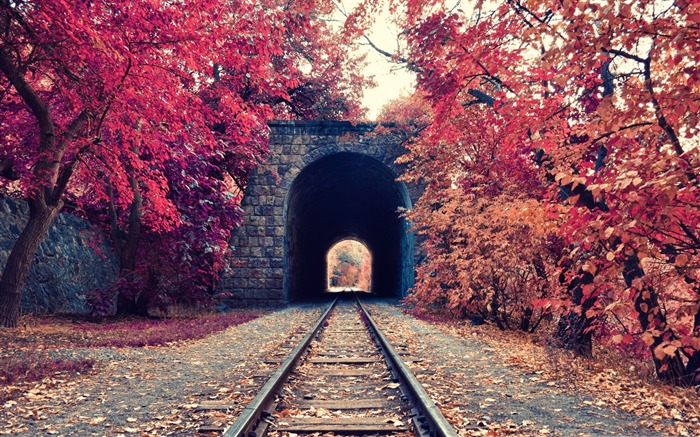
(149, 332)
(578, 122)
(157, 111)
(35, 366)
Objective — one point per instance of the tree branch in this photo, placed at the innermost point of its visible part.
(631, 126)
(626, 55)
(481, 97)
(36, 105)
(68, 168)
(668, 129)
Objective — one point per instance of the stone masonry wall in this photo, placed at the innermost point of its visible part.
(257, 248)
(65, 267)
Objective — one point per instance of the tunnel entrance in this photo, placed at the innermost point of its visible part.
(349, 266)
(346, 196)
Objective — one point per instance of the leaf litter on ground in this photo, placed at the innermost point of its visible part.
(614, 382)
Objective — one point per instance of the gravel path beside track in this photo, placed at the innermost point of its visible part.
(479, 393)
(153, 391)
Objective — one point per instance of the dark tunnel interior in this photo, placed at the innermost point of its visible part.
(346, 195)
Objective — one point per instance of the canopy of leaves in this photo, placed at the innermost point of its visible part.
(561, 166)
(159, 111)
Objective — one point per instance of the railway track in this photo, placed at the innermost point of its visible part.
(343, 377)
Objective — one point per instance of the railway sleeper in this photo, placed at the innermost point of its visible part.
(347, 383)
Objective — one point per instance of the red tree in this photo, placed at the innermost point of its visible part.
(601, 103)
(182, 263)
(154, 99)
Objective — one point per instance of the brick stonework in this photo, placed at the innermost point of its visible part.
(257, 249)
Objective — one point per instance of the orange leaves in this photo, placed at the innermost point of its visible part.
(410, 112)
(624, 340)
(648, 337)
(666, 197)
(578, 164)
(666, 349)
(630, 179)
(681, 260)
(486, 237)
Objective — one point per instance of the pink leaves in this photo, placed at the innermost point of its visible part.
(159, 123)
(586, 112)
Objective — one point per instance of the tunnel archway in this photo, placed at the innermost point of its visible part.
(340, 196)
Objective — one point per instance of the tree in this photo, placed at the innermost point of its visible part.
(301, 72)
(349, 265)
(603, 101)
(480, 199)
(157, 101)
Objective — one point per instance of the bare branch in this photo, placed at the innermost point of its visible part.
(626, 55)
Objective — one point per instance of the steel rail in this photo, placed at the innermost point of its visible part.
(252, 413)
(438, 424)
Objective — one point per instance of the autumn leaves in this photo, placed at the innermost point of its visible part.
(147, 118)
(572, 189)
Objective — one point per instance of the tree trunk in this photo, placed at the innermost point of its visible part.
(17, 268)
(134, 233)
(572, 331)
(494, 308)
(651, 317)
(129, 301)
(693, 366)
(132, 305)
(526, 319)
(51, 182)
(573, 334)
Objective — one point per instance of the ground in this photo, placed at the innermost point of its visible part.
(485, 381)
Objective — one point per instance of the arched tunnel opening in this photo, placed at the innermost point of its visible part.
(349, 266)
(346, 196)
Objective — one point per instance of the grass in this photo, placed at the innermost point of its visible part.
(31, 366)
(80, 332)
(37, 365)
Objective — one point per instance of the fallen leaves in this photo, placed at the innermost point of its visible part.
(671, 410)
(148, 391)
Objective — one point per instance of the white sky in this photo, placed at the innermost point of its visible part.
(392, 80)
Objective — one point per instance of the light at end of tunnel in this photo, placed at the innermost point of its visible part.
(349, 266)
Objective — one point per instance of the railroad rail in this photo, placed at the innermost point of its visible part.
(343, 377)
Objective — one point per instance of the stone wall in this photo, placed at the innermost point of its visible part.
(257, 248)
(65, 267)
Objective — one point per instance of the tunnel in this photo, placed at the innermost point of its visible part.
(341, 196)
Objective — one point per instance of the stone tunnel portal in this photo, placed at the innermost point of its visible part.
(346, 195)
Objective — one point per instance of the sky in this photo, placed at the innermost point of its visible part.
(392, 81)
